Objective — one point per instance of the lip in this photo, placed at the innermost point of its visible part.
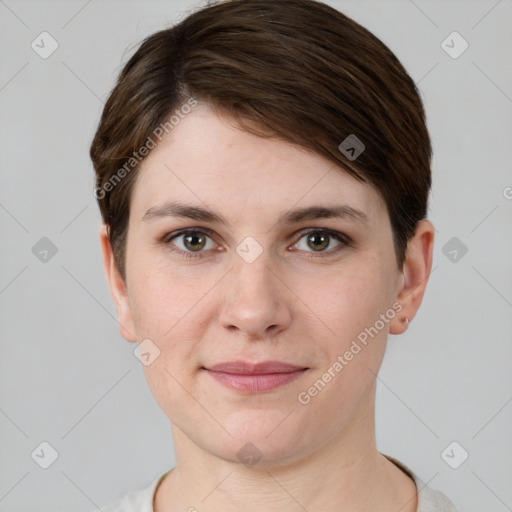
(255, 377)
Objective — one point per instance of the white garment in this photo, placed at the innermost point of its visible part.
(429, 500)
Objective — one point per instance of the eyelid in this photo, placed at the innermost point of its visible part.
(169, 236)
(331, 232)
(167, 241)
(344, 239)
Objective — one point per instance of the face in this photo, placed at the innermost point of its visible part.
(234, 278)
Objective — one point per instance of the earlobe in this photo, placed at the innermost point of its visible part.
(117, 287)
(415, 274)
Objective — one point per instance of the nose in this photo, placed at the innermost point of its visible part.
(256, 302)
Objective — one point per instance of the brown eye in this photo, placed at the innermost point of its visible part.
(190, 241)
(321, 241)
(318, 241)
(194, 242)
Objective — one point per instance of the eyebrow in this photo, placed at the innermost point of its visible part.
(176, 209)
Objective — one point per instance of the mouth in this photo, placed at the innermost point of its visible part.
(255, 378)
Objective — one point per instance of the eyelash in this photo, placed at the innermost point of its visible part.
(344, 240)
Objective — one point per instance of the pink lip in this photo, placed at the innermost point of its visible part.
(263, 376)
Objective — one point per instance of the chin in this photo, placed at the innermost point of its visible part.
(260, 438)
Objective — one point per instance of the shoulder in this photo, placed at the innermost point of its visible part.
(429, 500)
(135, 501)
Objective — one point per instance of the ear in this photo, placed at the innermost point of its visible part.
(117, 288)
(415, 274)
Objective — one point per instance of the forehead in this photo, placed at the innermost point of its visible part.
(205, 159)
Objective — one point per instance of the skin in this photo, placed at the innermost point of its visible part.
(283, 306)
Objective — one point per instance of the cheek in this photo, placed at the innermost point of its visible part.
(162, 298)
(172, 375)
(169, 389)
(346, 300)
(350, 303)
(163, 311)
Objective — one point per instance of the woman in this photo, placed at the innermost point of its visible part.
(263, 171)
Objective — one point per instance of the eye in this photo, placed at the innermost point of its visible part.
(320, 239)
(190, 241)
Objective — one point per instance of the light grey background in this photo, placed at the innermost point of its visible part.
(67, 376)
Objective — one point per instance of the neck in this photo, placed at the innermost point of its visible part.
(347, 473)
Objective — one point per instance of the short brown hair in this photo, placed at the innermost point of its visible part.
(299, 70)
